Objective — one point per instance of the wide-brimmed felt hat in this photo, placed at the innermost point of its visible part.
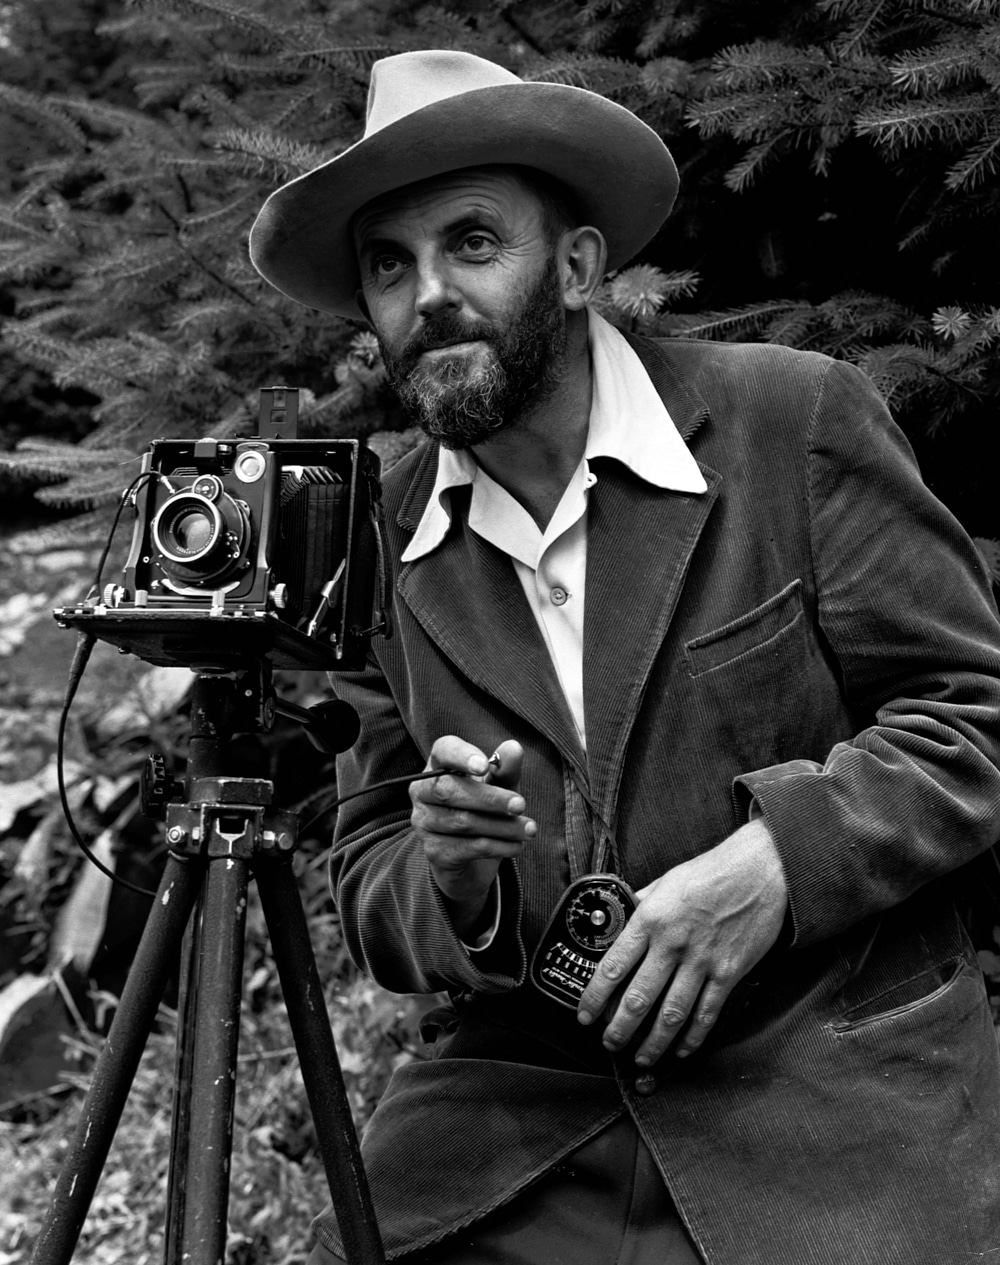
(437, 111)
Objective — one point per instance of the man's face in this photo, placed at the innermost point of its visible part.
(460, 280)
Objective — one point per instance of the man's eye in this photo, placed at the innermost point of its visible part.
(477, 243)
(386, 265)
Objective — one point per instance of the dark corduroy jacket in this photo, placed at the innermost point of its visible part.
(815, 631)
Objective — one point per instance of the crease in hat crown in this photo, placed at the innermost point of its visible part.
(435, 111)
(415, 80)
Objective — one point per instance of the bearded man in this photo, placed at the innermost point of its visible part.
(673, 615)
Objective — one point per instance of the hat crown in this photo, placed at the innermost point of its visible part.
(408, 82)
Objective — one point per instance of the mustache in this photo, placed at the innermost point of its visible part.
(442, 333)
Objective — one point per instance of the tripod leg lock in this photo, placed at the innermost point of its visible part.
(229, 830)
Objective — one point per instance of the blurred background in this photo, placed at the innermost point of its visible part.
(839, 192)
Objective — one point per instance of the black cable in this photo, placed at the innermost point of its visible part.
(84, 645)
(367, 790)
(95, 588)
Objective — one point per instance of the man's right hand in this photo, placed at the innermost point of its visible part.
(469, 819)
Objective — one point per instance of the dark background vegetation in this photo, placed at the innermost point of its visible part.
(839, 193)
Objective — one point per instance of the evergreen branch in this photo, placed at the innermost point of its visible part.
(291, 158)
(585, 70)
(356, 57)
(220, 216)
(763, 64)
(980, 163)
(507, 15)
(208, 314)
(932, 68)
(655, 35)
(666, 75)
(924, 121)
(211, 100)
(117, 118)
(50, 118)
(724, 324)
(858, 35)
(103, 487)
(247, 18)
(281, 121)
(743, 174)
(19, 229)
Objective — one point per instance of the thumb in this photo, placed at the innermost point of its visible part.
(508, 772)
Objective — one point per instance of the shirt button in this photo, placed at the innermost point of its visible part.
(558, 596)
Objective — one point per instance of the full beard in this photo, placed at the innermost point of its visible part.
(462, 404)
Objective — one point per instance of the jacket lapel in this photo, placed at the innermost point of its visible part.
(639, 545)
(469, 601)
(640, 540)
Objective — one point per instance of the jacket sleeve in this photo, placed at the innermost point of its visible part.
(395, 923)
(905, 607)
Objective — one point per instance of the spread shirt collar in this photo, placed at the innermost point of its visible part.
(628, 421)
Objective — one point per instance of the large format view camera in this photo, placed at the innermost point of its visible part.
(249, 549)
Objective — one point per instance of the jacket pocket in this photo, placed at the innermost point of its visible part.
(902, 999)
(746, 633)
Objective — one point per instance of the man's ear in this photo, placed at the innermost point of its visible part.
(581, 256)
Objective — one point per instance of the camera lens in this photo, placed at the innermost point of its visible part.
(201, 541)
(187, 527)
(193, 531)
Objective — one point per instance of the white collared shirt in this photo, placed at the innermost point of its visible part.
(629, 422)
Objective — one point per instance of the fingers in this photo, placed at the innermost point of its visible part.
(470, 819)
(674, 1003)
(506, 764)
(472, 808)
(458, 756)
(613, 969)
(686, 1015)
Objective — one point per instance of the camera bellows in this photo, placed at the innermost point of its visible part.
(312, 532)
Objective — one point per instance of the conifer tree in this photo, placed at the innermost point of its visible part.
(839, 193)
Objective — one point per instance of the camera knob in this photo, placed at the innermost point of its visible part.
(115, 594)
(279, 596)
(155, 787)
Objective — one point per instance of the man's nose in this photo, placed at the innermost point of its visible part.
(435, 291)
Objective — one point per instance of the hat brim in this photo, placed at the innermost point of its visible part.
(616, 167)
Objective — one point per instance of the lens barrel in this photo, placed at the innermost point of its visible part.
(200, 534)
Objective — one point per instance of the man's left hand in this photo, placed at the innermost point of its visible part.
(697, 931)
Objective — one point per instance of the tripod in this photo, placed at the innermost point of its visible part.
(224, 833)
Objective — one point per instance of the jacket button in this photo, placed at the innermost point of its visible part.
(645, 1085)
